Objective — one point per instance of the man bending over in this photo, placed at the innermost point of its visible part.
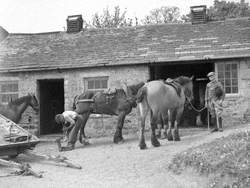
(75, 121)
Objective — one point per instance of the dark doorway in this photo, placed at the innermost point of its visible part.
(51, 95)
(197, 69)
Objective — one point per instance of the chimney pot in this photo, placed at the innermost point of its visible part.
(74, 23)
(198, 14)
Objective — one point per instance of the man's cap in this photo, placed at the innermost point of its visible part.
(210, 74)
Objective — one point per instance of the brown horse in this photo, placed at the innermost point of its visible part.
(160, 99)
(14, 109)
(119, 103)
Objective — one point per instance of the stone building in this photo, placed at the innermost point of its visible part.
(59, 65)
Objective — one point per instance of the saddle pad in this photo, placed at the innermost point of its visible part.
(175, 85)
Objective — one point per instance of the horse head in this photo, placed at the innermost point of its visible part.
(187, 84)
(133, 90)
(33, 102)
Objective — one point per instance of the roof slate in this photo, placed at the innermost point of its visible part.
(125, 46)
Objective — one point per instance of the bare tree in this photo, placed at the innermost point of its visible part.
(225, 9)
(163, 15)
(112, 20)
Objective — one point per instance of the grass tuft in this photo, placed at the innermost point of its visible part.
(226, 161)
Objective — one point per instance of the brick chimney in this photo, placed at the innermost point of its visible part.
(74, 23)
(198, 14)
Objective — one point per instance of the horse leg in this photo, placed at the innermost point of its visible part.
(172, 114)
(176, 135)
(153, 123)
(118, 133)
(143, 108)
(159, 126)
(166, 124)
(85, 118)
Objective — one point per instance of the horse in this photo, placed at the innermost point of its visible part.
(161, 98)
(119, 104)
(14, 109)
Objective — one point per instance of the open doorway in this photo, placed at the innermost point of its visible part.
(197, 69)
(51, 97)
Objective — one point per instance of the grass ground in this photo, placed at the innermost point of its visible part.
(225, 161)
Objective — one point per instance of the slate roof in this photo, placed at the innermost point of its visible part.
(3, 33)
(126, 46)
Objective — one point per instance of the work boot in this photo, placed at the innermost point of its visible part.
(220, 124)
(69, 147)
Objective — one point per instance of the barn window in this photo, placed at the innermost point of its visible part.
(228, 76)
(8, 91)
(96, 83)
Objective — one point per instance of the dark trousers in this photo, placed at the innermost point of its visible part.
(74, 131)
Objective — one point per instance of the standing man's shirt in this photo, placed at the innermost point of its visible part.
(214, 98)
(211, 91)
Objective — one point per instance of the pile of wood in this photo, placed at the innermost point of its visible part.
(15, 140)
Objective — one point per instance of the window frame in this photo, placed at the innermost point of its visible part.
(230, 77)
(8, 92)
(95, 81)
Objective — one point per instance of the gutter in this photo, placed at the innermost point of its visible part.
(153, 62)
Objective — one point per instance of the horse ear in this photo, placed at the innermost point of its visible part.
(192, 77)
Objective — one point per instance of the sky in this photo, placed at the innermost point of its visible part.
(34, 16)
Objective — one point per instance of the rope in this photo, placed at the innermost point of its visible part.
(195, 109)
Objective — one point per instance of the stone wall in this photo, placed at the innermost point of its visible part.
(237, 106)
(74, 85)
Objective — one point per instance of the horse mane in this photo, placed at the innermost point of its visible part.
(135, 87)
(182, 80)
(19, 100)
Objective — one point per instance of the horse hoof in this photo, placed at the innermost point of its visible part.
(177, 139)
(170, 139)
(143, 146)
(169, 136)
(156, 143)
(85, 142)
(176, 136)
(118, 140)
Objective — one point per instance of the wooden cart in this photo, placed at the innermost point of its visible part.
(15, 140)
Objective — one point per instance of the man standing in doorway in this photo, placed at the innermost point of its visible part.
(214, 98)
(75, 121)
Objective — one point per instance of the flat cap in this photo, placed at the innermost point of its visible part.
(210, 74)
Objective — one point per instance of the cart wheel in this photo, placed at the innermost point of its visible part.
(12, 156)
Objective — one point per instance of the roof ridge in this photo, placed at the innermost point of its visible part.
(40, 33)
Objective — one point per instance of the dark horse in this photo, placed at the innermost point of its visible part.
(119, 103)
(14, 109)
(160, 99)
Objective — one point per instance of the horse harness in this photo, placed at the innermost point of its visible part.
(177, 88)
(174, 84)
(109, 95)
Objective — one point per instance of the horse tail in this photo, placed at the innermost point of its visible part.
(141, 94)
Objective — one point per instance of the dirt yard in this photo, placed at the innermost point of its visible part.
(105, 164)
